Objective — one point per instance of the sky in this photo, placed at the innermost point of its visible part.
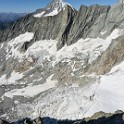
(20, 6)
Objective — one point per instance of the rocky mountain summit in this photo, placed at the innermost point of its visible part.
(121, 1)
(62, 63)
(52, 9)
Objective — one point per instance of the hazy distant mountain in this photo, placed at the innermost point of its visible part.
(8, 17)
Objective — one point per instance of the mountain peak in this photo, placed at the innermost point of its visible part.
(57, 1)
(53, 8)
(56, 5)
(121, 1)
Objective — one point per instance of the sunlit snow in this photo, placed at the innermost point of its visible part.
(54, 11)
(71, 101)
(12, 79)
(32, 90)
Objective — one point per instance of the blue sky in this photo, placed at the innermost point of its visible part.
(32, 5)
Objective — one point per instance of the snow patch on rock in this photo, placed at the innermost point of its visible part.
(12, 79)
(32, 90)
(39, 15)
(15, 44)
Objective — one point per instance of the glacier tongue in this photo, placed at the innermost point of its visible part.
(76, 102)
(51, 82)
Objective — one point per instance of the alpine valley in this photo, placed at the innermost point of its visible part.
(63, 65)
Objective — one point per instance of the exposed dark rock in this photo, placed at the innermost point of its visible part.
(25, 46)
(37, 121)
(97, 118)
(27, 121)
(4, 122)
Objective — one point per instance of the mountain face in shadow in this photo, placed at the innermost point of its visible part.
(97, 118)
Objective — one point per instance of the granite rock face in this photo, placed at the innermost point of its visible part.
(88, 22)
(52, 27)
(68, 25)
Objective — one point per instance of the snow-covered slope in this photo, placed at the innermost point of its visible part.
(76, 102)
(53, 9)
(50, 82)
(89, 48)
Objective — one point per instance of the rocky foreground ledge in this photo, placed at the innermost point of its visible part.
(97, 118)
